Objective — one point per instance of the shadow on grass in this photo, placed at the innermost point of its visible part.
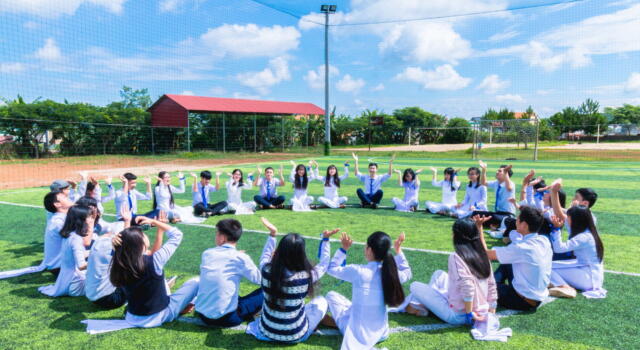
(29, 250)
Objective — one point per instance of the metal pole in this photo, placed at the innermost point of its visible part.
(308, 131)
(224, 135)
(255, 136)
(598, 135)
(282, 132)
(535, 151)
(327, 120)
(188, 133)
(490, 134)
(369, 132)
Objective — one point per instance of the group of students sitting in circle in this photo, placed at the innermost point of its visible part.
(114, 264)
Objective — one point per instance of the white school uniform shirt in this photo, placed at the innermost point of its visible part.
(70, 281)
(163, 197)
(331, 191)
(411, 191)
(531, 260)
(221, 270)
(122, 198)
(372, 185)
(583, 246)
(476, 197)
(502, 196)
(97, 194)
(197, 195)
(234, 192)
(368, 319)
(448, 196)
(273, 186)
(97, 284)
(53, 241)
(160, 258)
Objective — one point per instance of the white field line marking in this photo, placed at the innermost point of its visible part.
(431, 251)
(24, 191)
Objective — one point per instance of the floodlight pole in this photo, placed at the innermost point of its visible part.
(327, 9)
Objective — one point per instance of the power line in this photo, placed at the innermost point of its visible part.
(518, 8)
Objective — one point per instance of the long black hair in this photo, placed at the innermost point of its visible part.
(91, 203)
(289, 258)
(473, 168)
(410, 172)
(452, 173)
(380, 244)
(241, 181)
(467, 244)
(76, 221)
(155, 202)
(336, 177)
(301, 182)
(127, 265)
(91, 186)
(581, 221)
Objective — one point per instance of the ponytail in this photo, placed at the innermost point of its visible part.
(380, 244)
(155, 202)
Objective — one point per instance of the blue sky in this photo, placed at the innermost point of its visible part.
(549, 57)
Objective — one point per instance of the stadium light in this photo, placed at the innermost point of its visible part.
(327, 9)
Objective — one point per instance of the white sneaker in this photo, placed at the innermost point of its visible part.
(563, 292)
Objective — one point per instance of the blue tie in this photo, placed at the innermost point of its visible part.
(130, 203)
(370, 186)
(204, 198)
(268, 190)
(497, 197)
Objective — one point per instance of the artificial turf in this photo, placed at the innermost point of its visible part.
(31, 320)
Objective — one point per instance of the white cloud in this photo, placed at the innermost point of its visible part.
(50, 51)
(378, 87)
(349, 84)
(251, 40)
(276, 72)
(633, 83)
(492, 84)
(443, 77)
(12, 67)
(170, 5)
(574, 44)
(417, 41)
(543, 92)
(188, 93)
(218, 91)
(246, 96)
(502, 36)
(56, 8)
(510, 98)
(315, 78)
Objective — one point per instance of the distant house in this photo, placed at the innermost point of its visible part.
(522, 115)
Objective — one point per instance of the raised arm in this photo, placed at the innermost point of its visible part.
(345, 174)
(404, 270)
(194, 187)
(355, 158)
(257, 179)
(483, 173)
(417, 172)
(270, 245)
(324, 254)
(393, 157)
(346, 273)
(292, 177)
(147, 180)
(281, 174)
(509, 184)
(555, 200)
(480, 220)
(399, 177)
(183, 184)
(218, 173)
(525, 186)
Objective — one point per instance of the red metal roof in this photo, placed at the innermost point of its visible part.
(235, 105)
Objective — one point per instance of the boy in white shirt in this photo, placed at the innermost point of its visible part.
(201, 194)
(129, 196)
(56, 203)
(221, 270)
(372, 194)
(525, 264)
(268, 197)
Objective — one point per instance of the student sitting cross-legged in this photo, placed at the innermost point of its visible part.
(505, 190)
(470, 289)
(268, 197)
(202, 190)
(129, 196)
(372, 194)
(525, 265)
(221, 270)
(141, 274)
(287, 279)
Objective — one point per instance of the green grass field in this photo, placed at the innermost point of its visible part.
(31, 320)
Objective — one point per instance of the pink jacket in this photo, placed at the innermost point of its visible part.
(463, 285)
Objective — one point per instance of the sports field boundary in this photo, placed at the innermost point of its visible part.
(421, 250)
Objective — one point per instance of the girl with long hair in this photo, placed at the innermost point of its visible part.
(163, 195)
(299, 178)
(586, 271)
(288, 277)
(411, 183)
(235, 185)
(475, 197)
(468, 291)
(376, 285)
(90, 187)
(77, 234)
(449, 186)
(332, 181)
(138, 268)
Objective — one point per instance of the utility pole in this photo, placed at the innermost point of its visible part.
(327, 9)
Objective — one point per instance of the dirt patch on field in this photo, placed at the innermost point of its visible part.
(618, 146)
(16, 174)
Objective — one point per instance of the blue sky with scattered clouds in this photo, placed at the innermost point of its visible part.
(547, 57)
